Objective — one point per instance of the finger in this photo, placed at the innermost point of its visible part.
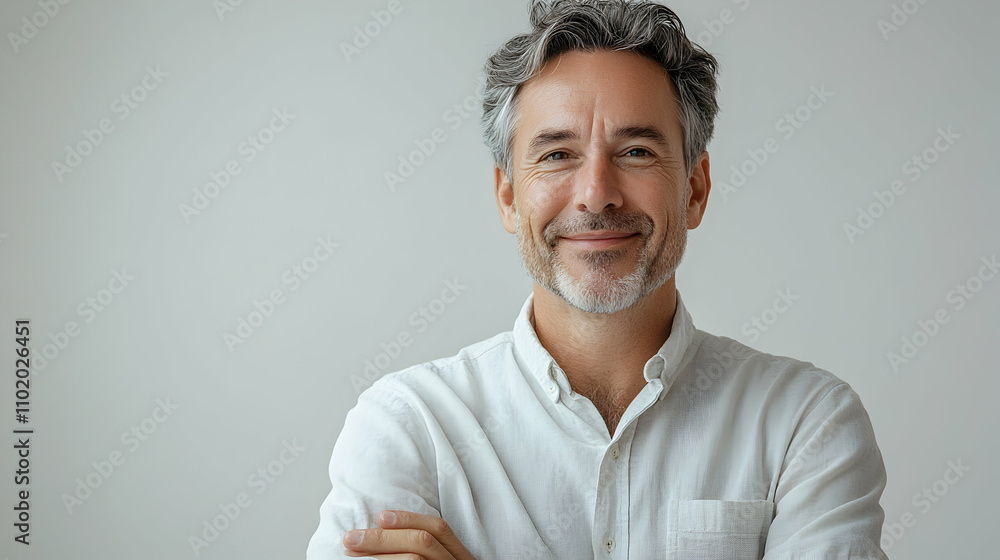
(396, 541)
(405, 556)
(430, 523)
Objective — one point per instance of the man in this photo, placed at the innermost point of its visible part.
(604, 424)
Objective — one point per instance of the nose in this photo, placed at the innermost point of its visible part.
(597, 186)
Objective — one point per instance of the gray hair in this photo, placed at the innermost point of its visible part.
(559, 26)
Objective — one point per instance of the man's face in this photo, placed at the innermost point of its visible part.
(600, 195)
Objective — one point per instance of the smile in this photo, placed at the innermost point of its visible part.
(596, 240)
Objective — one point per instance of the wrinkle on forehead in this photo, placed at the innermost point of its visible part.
(579, 96)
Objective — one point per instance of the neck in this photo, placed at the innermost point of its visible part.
(605, 353)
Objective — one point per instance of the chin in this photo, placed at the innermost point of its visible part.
(603, 292)
(609, 294)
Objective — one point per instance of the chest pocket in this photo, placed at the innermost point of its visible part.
(717, 529)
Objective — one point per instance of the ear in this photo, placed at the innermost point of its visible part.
(700, 183)
(505, 199)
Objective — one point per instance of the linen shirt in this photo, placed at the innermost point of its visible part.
(726, 452)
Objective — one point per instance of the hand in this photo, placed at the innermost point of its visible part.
(407, 535)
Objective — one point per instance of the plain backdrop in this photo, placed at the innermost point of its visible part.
(200, 77)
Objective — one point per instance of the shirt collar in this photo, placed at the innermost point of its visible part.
(664, 366)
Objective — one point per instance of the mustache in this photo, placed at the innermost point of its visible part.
(612, 221)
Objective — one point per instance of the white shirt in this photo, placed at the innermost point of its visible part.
(727, 452)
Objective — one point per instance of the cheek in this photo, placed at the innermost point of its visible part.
(667, 216)
(538, 205)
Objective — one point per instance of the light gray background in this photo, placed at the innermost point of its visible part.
(162, 336)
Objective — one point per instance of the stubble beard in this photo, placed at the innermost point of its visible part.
(601, 290)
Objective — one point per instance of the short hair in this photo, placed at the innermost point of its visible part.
(559, 26)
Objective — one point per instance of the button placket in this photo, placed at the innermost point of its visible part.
(621, 454)
(611, 483)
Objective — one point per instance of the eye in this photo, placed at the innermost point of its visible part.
(638, 152)
(555, 156)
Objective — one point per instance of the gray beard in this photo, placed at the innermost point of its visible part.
(602, 291)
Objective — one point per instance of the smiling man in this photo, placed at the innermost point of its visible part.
(604, 424)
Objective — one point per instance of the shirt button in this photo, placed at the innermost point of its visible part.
(609, 544)
(551, 388)
(614, 451)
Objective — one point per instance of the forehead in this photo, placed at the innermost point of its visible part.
(579, 89)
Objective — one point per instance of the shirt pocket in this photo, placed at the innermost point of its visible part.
(717, 529)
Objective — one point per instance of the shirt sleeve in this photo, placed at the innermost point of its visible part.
(383, 459)
(831, 480)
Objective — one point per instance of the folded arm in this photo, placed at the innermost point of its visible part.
(827, 496)
(383, 460)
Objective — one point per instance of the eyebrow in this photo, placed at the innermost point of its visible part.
(548, 137)
(551, 136)
(641, 131)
